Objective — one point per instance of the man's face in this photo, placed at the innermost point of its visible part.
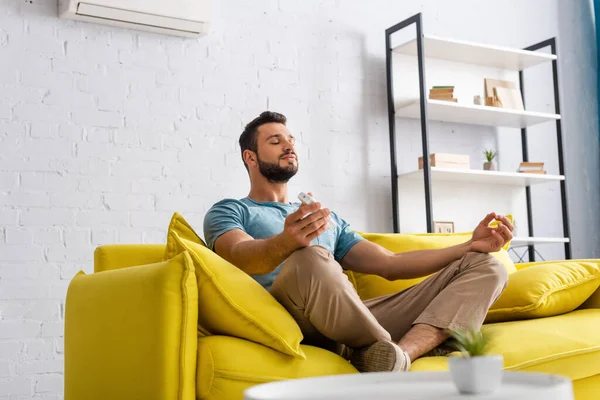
(276, 156)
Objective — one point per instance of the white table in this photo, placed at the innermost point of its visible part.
(410, 386)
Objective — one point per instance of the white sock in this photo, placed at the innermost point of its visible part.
(402, 359)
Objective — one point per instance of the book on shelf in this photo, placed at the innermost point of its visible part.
(441, 94)
(445, 93)
(444, 99)
(446, 160)
(532, 167)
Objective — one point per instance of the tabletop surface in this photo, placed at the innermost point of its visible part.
(411, 386)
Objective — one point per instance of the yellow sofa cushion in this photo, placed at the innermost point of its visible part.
(567, 344)
(223, 376)
(371, 286)
(184, 230)
(546, 289)
(131, 333)
(230, 302)
(587, 388)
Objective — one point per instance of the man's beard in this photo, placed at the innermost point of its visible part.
(276, 173)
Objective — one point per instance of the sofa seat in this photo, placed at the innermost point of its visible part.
(227, 366)
(567, 344)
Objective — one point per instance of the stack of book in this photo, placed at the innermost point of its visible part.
(532, 167)
(442, 93)
(446, 160)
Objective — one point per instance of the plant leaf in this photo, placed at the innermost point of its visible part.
(471, 342)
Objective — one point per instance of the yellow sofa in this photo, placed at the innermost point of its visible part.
(130, 329)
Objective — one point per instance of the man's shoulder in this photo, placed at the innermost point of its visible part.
(224, 212)
(229, 204)
(229, 208)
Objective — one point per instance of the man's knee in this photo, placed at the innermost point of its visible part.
(489, 264)
(311, 260)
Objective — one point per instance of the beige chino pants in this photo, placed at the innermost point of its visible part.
(313, 288)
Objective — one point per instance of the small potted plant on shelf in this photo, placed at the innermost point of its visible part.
(489, 156)
(476, 372)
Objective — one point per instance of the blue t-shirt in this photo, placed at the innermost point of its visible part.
(263, 220)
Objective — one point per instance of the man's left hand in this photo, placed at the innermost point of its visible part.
(487, 239)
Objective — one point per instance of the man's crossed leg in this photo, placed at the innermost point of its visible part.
(389, 332)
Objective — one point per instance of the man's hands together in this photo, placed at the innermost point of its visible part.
(487, 239)
(299, 229)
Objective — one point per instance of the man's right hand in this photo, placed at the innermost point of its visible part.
(299, 230)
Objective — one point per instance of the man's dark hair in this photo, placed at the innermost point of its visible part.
(249, 137)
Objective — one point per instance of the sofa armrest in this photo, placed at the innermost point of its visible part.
(115, 256)
(132, 333)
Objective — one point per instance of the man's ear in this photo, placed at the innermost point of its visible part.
(250, 158)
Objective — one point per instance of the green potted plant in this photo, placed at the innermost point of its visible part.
(489, 156)
(476, 372)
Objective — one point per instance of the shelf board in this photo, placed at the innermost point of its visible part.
(525, 241)
(447, 111)
(480, 176)
(475, 53)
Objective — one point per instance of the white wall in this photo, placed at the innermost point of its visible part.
(104, 133)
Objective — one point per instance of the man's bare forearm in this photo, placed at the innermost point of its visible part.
(419, 263)
(261, 256)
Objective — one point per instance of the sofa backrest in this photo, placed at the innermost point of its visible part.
(371, 286)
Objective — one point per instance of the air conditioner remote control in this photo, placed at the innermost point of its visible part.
(306, 199)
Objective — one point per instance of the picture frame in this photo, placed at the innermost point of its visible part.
(443, 227)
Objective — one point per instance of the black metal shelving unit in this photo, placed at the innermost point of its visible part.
(418, 23)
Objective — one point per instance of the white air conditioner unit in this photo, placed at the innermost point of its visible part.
(190, 18)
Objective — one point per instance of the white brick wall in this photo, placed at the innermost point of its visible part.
(104, 133)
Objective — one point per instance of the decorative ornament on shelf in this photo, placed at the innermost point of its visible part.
(504, 94)
(477, 371)
(489, 156)
(443, 227)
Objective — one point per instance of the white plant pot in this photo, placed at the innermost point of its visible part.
(489, 166)
(476, 375)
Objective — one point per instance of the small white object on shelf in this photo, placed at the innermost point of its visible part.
(473, 114)
(525, 241)
(410, 385)
(475, 53)
(487, 177)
